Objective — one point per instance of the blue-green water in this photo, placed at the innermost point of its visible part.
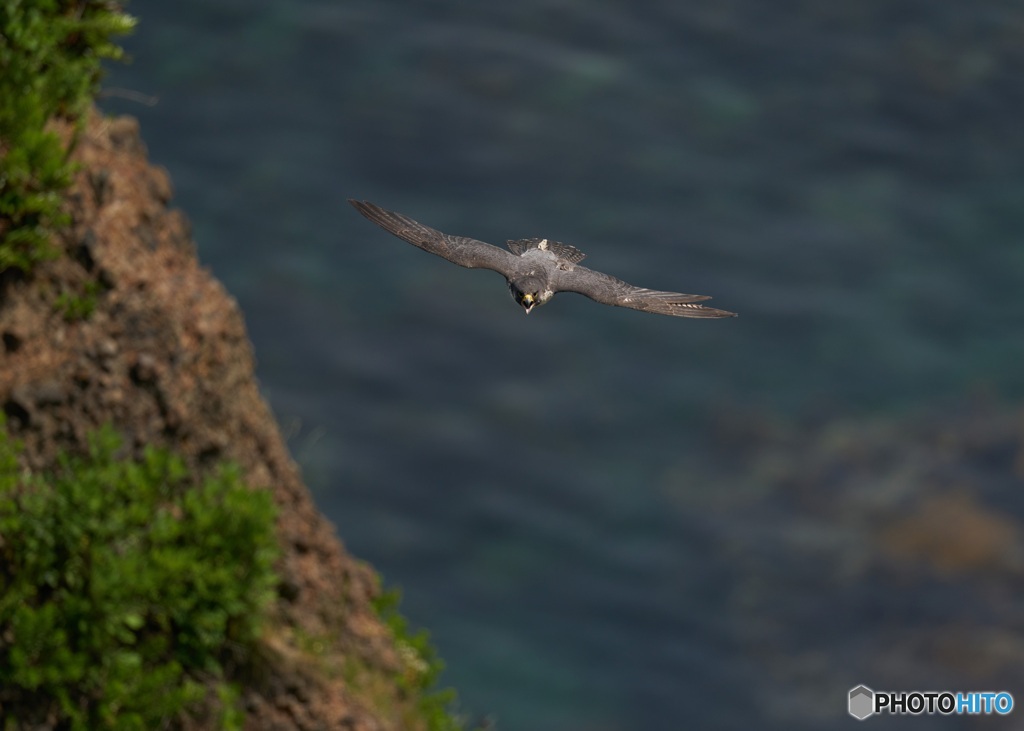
(847, 177)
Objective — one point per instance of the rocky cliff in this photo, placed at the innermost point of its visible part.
(126, 327)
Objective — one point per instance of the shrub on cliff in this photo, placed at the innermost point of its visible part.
(50, 56)
(122, 584)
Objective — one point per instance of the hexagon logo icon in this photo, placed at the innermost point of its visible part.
(862, 702)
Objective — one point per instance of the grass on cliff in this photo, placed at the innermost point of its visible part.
(50, 64)
(123, 585)
(422, 668)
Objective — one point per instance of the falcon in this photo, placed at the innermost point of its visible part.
(536, 269)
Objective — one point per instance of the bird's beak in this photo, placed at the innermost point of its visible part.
(527, 303)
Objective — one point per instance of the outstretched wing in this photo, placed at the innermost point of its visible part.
(457, 249)
(611, 291)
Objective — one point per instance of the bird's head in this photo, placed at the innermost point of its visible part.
(528, 293)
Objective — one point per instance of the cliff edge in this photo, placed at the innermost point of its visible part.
(125, 327)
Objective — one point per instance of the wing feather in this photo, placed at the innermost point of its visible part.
(459, 250)
(609, 290)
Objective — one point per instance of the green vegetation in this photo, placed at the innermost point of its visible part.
(50, 56)
(422, 667)
(418, 705)
(79, 306)
(123, 583)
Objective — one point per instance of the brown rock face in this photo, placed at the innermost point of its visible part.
(127, 328)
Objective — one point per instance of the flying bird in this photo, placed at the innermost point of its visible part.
(536, 269)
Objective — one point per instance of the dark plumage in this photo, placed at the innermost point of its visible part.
(536, 269)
